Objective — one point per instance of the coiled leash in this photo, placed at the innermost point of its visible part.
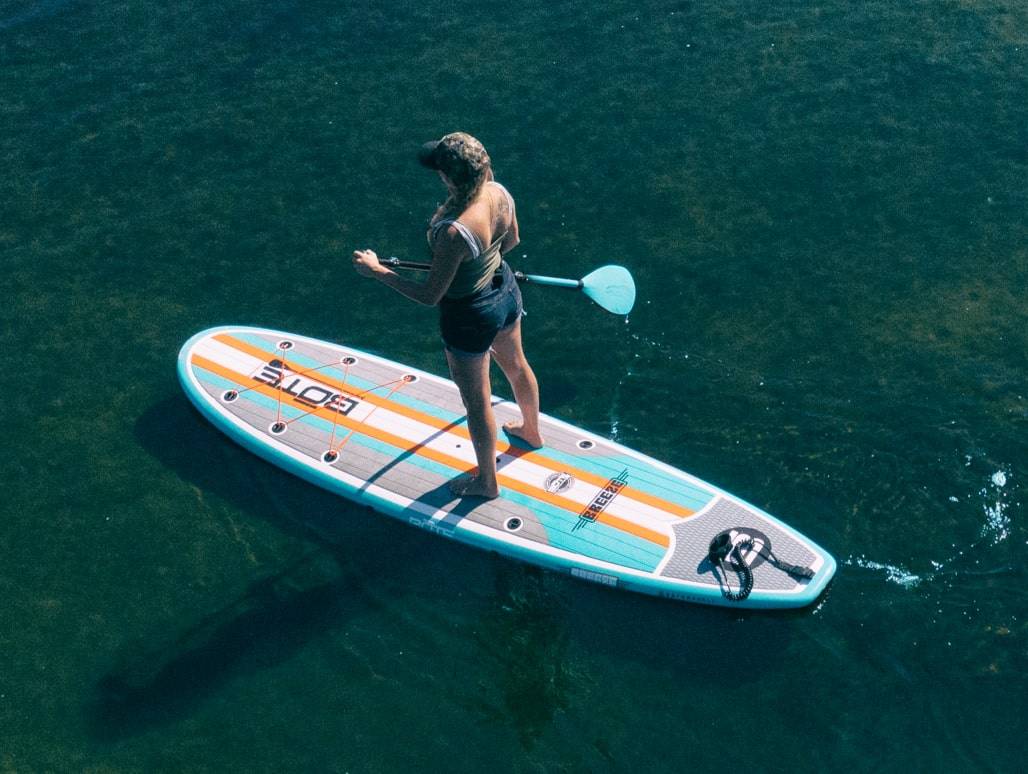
(722, 548)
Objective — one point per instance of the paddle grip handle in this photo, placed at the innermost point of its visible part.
(396, 263)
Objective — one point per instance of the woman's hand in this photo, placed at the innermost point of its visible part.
(366, 263)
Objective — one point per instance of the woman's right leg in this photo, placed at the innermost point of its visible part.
(508, 352)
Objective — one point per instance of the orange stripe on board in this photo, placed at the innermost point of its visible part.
(427, 419)
(418, 448)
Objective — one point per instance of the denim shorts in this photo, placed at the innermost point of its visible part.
(470, 324)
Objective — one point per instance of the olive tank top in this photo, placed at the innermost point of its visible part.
(476, 272)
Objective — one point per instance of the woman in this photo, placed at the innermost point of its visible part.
(479, 299)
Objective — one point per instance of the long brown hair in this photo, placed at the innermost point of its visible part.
(465, 162)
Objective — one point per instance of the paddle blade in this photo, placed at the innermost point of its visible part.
(612, 287)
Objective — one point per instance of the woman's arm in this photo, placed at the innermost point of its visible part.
(448, 252)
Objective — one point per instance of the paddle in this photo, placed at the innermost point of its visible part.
(612, 287)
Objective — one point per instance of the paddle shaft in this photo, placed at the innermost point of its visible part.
(555, 282)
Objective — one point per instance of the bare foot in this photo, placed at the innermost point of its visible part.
(471, 486)
(517, 430)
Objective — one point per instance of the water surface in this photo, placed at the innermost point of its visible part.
(824, 210)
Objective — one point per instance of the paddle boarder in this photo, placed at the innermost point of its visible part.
(478, 297)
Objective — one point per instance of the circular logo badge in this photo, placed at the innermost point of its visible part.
(558, 482)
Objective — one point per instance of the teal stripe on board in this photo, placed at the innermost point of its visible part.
(645, 478)
(595, 540)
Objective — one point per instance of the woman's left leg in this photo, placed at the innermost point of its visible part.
(471, 374)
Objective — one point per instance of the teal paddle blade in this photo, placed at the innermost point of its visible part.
(612, 287)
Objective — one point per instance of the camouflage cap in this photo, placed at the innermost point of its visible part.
(458, 155)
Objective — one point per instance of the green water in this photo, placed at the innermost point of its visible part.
(824, 207)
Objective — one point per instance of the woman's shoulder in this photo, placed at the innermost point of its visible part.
(449, 233)
(435, 226)
(447, 228)
(497, 185)
(504, 201)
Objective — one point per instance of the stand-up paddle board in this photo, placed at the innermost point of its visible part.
(391, 437)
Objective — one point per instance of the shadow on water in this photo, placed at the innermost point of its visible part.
(545, 633)
(540, 625)
(696, 645)
(541, 629)
(525, 633)
(153, 685)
